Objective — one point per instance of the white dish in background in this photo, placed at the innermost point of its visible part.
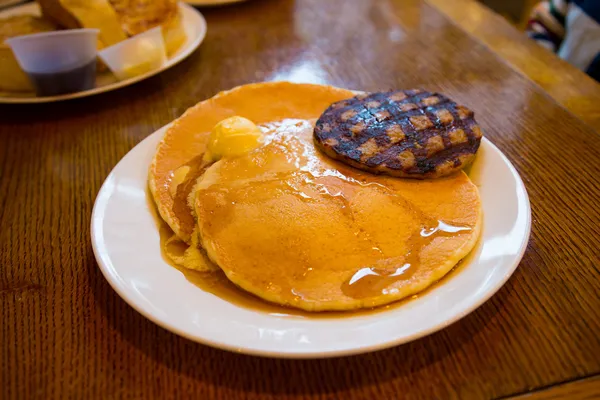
(195, 28)
(126, 243)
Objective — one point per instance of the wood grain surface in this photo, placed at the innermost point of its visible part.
(570, 87)
(66, 334)
(584, 389)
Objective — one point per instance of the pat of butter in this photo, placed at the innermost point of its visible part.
(144, 57)
(233, 137)
(131, 71)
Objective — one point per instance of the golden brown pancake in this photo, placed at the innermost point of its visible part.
(185, 142)
(294, 227)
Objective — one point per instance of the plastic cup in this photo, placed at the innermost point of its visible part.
(137, 55)
(58, 62)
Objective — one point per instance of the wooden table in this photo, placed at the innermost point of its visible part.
(66, 334)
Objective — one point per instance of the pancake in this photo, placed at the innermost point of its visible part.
(404, 133)
(297, 228)
(179, 156)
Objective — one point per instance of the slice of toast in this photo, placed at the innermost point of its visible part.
(12, 77)
(138, 16)
(174, 33)
(98, 14)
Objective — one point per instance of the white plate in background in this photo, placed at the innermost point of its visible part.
(195, 28)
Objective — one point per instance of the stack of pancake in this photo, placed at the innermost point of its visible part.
(294, 226)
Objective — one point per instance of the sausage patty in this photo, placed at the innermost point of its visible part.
(404, 133)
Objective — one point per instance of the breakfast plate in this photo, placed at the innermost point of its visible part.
(195, 28)
(126, 242)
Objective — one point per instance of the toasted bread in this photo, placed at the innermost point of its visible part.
(73, 14)
(137, 16)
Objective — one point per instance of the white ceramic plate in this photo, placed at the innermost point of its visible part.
(195, 27)
(127, 246)
(200, 3)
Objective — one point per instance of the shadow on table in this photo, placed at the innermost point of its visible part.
(212, 367)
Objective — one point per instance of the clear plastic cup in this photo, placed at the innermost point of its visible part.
(58, 62)
(137, 55)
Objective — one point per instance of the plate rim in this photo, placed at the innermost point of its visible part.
(105, 265)
(185, 53)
